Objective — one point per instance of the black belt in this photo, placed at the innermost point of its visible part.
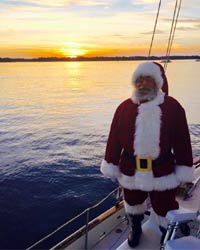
(144, 163)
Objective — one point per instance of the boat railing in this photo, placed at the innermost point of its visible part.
(86, 213)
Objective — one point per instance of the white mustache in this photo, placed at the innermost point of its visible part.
(151, 94)
(144, 88)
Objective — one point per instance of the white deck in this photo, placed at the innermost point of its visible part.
(150, 238)
(115, 238)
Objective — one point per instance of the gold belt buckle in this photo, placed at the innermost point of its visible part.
(138, 164)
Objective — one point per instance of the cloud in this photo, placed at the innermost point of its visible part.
(183, 20)
(144, 1)
(150, 32)
(185, 28)
(62, 3)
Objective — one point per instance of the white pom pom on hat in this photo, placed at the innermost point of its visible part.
(149, 69)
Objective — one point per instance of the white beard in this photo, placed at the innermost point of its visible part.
(146, 97)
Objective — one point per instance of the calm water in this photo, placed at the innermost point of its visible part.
(54, 122)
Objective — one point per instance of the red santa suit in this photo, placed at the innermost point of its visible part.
(148, 148)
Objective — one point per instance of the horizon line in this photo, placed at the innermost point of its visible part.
(79, 58)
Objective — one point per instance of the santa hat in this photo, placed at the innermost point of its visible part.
(156, 71)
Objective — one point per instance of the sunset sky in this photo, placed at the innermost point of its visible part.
(35, 28)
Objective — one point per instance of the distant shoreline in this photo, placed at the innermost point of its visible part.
(101, 58)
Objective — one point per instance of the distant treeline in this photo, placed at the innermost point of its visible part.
(97, 58)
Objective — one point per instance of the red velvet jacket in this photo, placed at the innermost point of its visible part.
(152, 129)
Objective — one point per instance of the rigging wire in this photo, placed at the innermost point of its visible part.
(154, 30)
(172, 38)
(172, 31)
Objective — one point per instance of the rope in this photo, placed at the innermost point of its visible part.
(172, 31)
(74, 218)
(154, 30)
(170, 35)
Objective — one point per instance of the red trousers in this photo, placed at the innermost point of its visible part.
(161, 201)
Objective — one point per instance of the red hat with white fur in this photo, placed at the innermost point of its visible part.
(156, 71)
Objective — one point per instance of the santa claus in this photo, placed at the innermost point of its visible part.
(148, 149)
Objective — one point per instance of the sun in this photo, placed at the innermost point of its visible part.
(73, 50)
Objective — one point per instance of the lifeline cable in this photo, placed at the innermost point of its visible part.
(154, 30)
(173, 34)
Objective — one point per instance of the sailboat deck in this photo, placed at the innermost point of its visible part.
(117, 238)
(114, 238)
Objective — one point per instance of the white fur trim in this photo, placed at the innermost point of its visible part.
(147, 128)
(147, 182)
(136, 209)
(148, 69)
(184, 173)
(158, 220)
(109, 170)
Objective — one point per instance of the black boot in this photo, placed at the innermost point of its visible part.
(163, 231)
(136, 229)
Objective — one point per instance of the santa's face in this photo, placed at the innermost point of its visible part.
(145, 88)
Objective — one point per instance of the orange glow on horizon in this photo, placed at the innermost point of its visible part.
(74, 52)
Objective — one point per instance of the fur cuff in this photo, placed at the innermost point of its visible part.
(158, 220)
(147, 182)
(184, 173)
(109, 170)
(136, 209)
